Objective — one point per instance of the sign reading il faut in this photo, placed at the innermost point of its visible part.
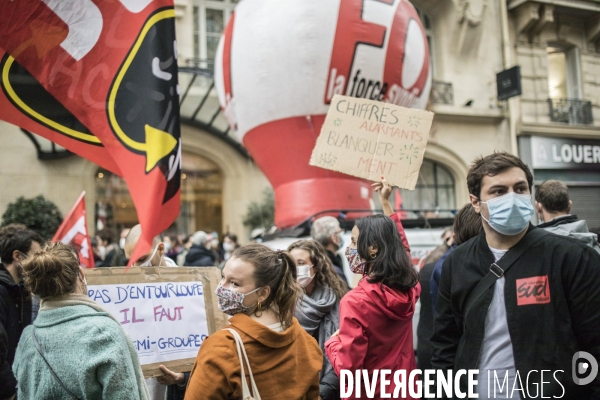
(370, 139)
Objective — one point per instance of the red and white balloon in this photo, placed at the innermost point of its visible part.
(279, 63)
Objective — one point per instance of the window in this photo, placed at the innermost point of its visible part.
(201, 199)
(435, 190)
(210, 19)
(564, 79)
(426, 21)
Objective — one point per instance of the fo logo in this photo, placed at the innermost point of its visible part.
(584, 364)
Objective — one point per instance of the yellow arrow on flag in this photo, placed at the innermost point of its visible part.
(158, 145)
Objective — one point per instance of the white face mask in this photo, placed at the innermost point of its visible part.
(304, 277)
(122, 243)
(228, 247)
(102, 251)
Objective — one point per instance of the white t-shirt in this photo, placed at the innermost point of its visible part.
(497, 356)
(276, 327)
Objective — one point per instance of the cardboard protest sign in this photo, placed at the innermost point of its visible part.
(370, 139)
(167, 312)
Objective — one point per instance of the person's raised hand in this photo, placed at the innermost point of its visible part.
(170, 377)
(385, 191)
(383, 188)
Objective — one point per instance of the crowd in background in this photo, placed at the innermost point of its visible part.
(295, 322)
(200, 249)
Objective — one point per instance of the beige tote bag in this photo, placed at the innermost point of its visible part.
(246, 395)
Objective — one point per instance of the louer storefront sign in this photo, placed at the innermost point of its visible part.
(560, 153)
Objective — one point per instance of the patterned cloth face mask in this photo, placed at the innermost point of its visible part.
(357, 265)
(232, 302)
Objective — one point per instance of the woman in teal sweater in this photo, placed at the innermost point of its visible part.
(85, 347)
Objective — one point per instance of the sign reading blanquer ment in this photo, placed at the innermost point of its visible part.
(371, 139)
(167, 312)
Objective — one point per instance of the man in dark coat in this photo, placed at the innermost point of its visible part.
(539, 313)
(199, 255)
(16, 243)
(327, 231)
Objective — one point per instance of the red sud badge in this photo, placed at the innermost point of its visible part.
(534, 290)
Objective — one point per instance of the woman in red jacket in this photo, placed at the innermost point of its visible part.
(376, 317)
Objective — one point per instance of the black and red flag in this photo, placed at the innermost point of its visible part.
(113, 65)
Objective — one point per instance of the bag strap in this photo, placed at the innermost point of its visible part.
(499, 268)
(39, 349)
(242, 350)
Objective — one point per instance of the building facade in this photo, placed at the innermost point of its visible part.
(557, 45)
(470, 42)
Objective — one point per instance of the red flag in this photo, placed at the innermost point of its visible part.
(25, 103)
(73, 231)
(113, 65)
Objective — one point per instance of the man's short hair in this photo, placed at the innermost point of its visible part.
(16, 237)
(553, 196)
(492, 165)
(467, 224)
(106, 234)
(322, 229)
(199, 238)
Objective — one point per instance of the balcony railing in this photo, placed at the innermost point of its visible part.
(568, 111)
(442, 93)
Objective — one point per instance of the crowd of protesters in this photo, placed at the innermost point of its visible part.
(200, 249)
(295, 323)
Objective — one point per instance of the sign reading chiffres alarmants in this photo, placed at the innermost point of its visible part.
(371, 139)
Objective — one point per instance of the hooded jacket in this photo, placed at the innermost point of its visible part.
(199, 256)
(285, 365)
(569, 225)
(87, 349)
(375, 332)
(15, 315)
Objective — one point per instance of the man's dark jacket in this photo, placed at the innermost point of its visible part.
(15, 315)
(551, 324)
(425, 326)
(338, 265)
(199, 256)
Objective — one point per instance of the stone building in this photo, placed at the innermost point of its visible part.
(556, 46)
(557, 119)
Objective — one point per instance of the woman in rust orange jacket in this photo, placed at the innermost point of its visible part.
(259, 290)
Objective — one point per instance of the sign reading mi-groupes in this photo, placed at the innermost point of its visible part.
(560, 153)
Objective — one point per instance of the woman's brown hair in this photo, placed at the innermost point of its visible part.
(325, 275)
(52, 271)
(277, 270)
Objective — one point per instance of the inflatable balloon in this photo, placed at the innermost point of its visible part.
(278, 65)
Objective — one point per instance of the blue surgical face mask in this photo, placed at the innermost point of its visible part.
(510, 213)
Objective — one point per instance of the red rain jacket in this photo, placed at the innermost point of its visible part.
(396, 218)
(375, 333)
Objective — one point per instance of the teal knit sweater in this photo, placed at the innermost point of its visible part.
(87, 349)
